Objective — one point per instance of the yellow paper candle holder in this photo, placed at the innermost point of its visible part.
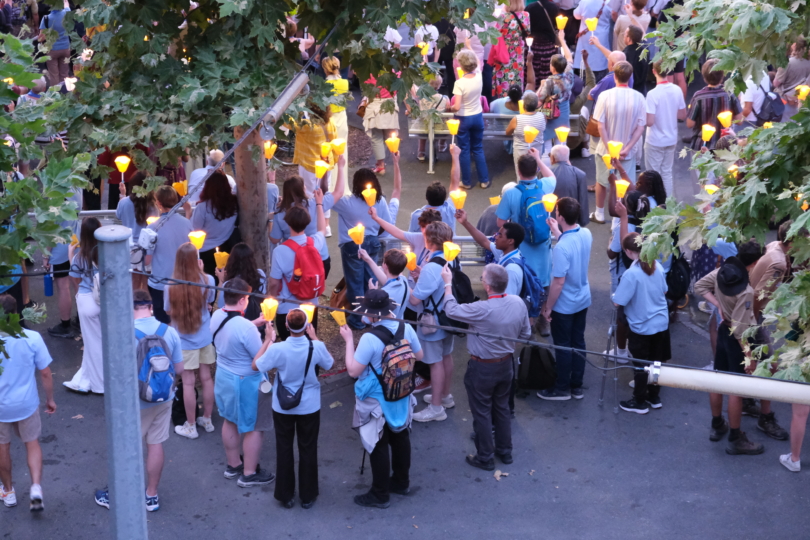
(802, 91)
(424, 48)
(269, 149)
(621, 187)
(370, 195)
(707, 132)
(458, 197)
(181, 187)
(451, 251)
(530, 134)
(320, 168)
(339, 316)
(725, 118)
(606, 158)
(339, 146)
(309, 309)
(357, 234)
(592, 23)
(562, 20)
(392, 143)
(452, 126)
(326, 149)
(460, 72)
(615, 149)
(549, 201)
(495, 200)
(151, 219)
(221, 258)
(410, 257)
(562, 133)
(711, 189)
(197, 238)
(122, 163)
(767, 125)
(521, 109)
(269, 307)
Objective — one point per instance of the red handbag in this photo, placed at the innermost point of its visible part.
(499, 53)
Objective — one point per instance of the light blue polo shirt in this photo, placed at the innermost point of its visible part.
(237, 344)
(724, 249)
(430, 285)
(644, 300)
(202, 337)
(262, 288)
(282, 269)
(570, 259)
(171, 235)
(126, 213)
(537, 256)
(370, 348)
(81, 269)
(59, 253)
(290, 358)
(447, 210)
(18, 383)
(217, 231)
(281, 231)
(150, 325)
(272, 197)
(353, 210)
(514, 271)
(397, 289)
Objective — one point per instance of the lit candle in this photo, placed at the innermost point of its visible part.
(392, 143)
(521, 110)
(592, 23)
(549, 200)
(320, 168)
(326, 149)
(615, 149)
(269, 149)
(151, 219)
(451, 251)
(146, 38)
(74, 240)
(410, 257)
(269, 307)
(181, 187)
(562, 20)
(8, 80)
(733, 170)
(424, 48)
(529, 41)
(562, 133)
(467, 13)
(805, 206)
(621, 187)
(197, 238)
(339, 316)
(495, 200)
(458, 197)
(339, 146)
(606, 158)
(357, 234)
(803, 91)
(708, 132)
(122, 163)
(710, 188)
(221, 258)
(767, 125)
(529, 134)
(309, 309)
(725, 118)
(370, 195)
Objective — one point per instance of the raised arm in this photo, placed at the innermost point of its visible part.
(455, 167)
(530, 81)
(566, 51)
(379, 275)
(340, 184)
(541, 167)
(390, 228)
(396, 193)
(595, 41)
(320, 219)
(478, 236)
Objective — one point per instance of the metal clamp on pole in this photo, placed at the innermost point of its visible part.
(121, 402)
(653, 372)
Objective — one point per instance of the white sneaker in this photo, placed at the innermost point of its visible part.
(787, 461)
(206, 424)
(36, 498)
(447, 402)
(624, 357)
(187, 430)
(9, 498)
(705, 307)
(328, 232)
(632, 383)
(586, 153)
(429, 413)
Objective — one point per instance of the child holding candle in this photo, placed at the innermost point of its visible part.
(390, 276)
(556, 90)
(216, 215)
(530, 117)
(706, 104)
(436, 102)
(436, 196)
(187, 306)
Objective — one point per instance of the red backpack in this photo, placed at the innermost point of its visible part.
(309, 277)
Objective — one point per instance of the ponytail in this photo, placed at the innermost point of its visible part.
(632, 242)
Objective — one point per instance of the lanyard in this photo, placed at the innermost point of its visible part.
(422, 255)
(510, 255)
(569, 231)
(496, 296)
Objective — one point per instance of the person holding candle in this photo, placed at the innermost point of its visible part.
(752, 100)
(513, 27)
(706, 104)
(172, 234)
(296, 360)
(557, 88)
(436, 196)
(188, 307)
(340, 87)
(311, 130)
(242, 264)
(469, 112)
(789, 78)
(508, 105)
(571, 181)
(390, 275)
(665, 107)
(380, 125)
(589, 9)
(531, 117)
(216, 214)
(436, 102)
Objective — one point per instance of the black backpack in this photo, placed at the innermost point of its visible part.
(537, 370)
(678, 278)
(772, 108)
(462, 292)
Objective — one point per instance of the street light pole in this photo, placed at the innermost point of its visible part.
(121, 402)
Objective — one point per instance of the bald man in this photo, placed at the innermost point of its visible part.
(214, 157)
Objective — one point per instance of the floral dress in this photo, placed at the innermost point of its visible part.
(505, 75)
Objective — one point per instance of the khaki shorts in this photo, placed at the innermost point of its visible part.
(155, 422)
(27, 430)
(434, 351)
(192, 359)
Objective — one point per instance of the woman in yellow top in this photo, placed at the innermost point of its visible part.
(331, 66)
(312, 130)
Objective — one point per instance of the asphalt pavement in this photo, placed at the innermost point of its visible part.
(579, 471)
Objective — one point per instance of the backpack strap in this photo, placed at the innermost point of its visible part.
(383, 334)
(230, 315)
(161, 329)
(292, 244)
(139, 335)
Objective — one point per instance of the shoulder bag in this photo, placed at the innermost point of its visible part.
(286, 399)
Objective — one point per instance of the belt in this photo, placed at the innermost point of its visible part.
(491, 360)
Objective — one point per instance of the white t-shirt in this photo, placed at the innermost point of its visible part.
(469, 90)
(664, 101)
(754, 94)
(428, 34)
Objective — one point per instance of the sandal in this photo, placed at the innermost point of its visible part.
(592, 188)
(420, 156)
(378, 170)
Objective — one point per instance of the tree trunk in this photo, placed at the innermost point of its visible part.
(251, 190)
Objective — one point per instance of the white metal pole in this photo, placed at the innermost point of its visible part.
(121, 403)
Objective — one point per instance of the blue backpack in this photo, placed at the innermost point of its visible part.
(533, 213)
(532, 291)
(155, 369)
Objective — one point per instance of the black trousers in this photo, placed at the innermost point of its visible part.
(306, 427)
(157, 306)
(488, 388)
(382, 464)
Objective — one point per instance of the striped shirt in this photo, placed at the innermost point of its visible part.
(706, 104)
(620, 110)
(536, 120)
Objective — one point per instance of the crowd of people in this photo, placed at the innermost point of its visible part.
(537, 280)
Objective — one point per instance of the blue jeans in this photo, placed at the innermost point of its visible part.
(569, 331)
(470, 138)
(357, 273)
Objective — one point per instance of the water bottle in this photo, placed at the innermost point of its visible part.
(48, 285)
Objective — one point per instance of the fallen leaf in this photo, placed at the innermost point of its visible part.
(464, 419)
(335, 404)
(498, 475)
(531, 472)
(78, 417)
(348, 526)
(415, 526)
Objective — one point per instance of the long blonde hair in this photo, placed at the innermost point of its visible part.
(186, 302)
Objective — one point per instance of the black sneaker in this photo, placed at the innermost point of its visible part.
(289, 504)
(399, 490)
(485, 465)
(767, 423)
(632, 405)
(551, 394)
(654, 402)
(31, 304)
(259, 478)
(309, 504)
(751, 408)
(235, 472)
(75, 324)
(577, 393)
(62, 331)
(369, 500)
(506, 459)
(717, 433)
(742, 446)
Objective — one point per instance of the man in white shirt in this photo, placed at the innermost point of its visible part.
(752, 99)
(665, 106)
(214, 157)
